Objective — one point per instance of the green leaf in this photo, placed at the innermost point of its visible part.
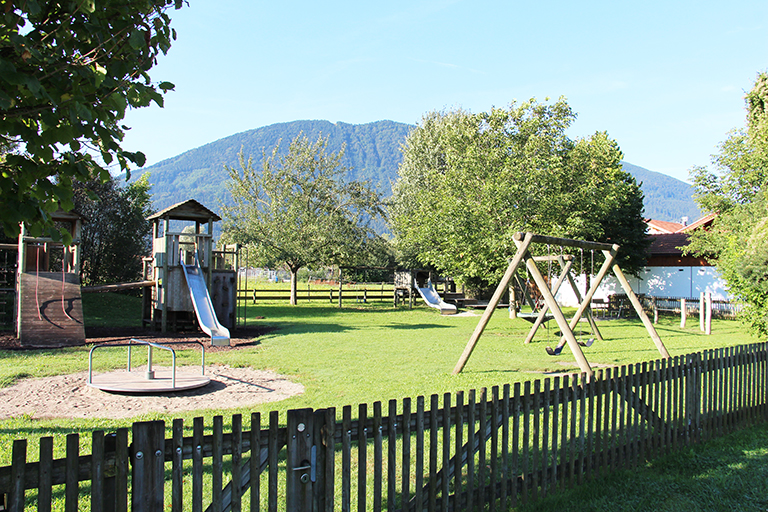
(136, 40)
(99, 73)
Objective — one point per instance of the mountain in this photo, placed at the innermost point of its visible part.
(666, 198)
(372, 152)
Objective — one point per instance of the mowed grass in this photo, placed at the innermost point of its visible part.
(726, 474)
(369, 352)
(362, 353)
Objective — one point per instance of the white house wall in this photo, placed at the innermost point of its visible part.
(708, 279)
(658, 281)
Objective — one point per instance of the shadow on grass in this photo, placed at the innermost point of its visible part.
(410, 327)
(726, 474)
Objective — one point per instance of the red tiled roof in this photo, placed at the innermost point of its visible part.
(704, 221)
(664, 226)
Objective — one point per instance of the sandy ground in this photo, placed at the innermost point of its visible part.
(69, 396)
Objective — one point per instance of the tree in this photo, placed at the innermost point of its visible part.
(298, 211)
(68, 72)
(468, 182)
(737, 191)
(115, 234)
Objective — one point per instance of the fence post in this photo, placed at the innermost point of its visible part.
(18, 474)
(683, 313)
(148, 472)
(708, 314)
(110, 444)
(301, 462)
(512, 301)
(655, 310)
(701, 311)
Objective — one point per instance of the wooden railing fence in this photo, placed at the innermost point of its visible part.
(321, 294)
(463, 451)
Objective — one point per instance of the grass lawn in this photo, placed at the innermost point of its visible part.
(370, 352)
(726, 474)
(361, 353)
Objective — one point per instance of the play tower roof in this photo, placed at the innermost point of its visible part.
(186, 210)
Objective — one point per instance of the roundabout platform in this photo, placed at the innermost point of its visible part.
(150, 380)
(137, 382)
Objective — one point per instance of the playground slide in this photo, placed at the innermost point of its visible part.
(206, 316)
(433, 300)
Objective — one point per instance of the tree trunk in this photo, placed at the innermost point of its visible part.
(294, 285)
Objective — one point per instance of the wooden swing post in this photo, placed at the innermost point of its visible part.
(522, 248)
(640, 311)
(610, 257)
(550, 301)
(523, 242)
(590, 319)
(565, 263)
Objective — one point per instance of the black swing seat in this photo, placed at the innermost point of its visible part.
(531, 317)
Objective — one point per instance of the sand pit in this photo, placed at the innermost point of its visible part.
(68, 396)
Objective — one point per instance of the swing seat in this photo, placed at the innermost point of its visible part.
(554, 351)
(531, 317)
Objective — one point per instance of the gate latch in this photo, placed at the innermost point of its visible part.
(311, 466)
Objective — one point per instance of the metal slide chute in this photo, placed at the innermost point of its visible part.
(201, 299)
(431, 297)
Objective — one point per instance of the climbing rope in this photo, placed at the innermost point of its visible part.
(37, 282)
(63, 282)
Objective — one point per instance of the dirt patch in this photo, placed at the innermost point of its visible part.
(69, 396)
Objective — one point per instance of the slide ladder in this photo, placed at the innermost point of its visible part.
(201, 299)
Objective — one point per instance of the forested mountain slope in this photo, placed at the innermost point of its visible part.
(372, 153)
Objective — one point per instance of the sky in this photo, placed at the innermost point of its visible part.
(665, 79)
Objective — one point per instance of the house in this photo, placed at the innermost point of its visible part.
(662, 227)
(668, 272)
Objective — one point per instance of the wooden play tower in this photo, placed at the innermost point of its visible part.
(49, 310)
(169, 305)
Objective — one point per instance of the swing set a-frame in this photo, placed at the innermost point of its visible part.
(523, 241)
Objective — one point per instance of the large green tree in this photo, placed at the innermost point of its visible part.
(116, 233)
(468, 182)
(68, 72)
(736, 189)
(298, 210)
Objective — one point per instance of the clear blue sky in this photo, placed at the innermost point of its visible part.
(666, 79)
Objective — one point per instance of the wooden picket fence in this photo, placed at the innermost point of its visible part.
(455, 452)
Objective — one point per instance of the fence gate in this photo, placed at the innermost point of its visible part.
(308, 477)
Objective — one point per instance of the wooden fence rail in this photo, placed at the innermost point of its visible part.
(487, 449)
(332, 295)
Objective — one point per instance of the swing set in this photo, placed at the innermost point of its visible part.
(541, 315)
(523, 242)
